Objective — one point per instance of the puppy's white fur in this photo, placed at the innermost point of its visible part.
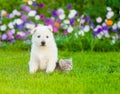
(43, 57)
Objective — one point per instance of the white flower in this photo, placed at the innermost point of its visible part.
(3, 12)
(64, 26)
(37, 17)
(18, 21)
(104, 24)
(72, 14)
(66, 22)
(70, 29)
(98, 19)
(11, 15)
(106, 34)
(3, 27)
(60, 11)
(30, 2)
(21, 33)
(81, 32)
(114, 26)
(32, 13)
(108, 8)
(62, 16)
(99, 36)
(86, 28)
(29, 26)
(110, 14)
(118, 24)
(15, 12)
(73, 11)
(82, 21)
(113, 42)
(10, 25)
(53, 18)
(98, 26)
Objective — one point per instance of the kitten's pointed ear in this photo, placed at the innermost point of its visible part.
(70, 59)
(61, 60)
(50, 28)
(33, 31)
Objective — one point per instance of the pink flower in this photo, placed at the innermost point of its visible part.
(55, 29)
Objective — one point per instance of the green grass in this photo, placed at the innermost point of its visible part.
(93, 73)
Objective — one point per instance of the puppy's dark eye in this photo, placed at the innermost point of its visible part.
(47, 36)
(38, 36)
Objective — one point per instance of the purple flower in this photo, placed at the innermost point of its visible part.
(25, 8)
(42, 16)
(8, 16)
(24, 18)
(4, 37)
(41, 5)
(69, 6)
(10, 33)
(20, 35)
(11, 39)
(49, 22)
(81, 27)
(97, 31)
(34, 4)
(72, 20)
(21, 26)
(105, 27)
(54, 13)
(65, 32)
(87, 19)
(76, 14)
(118, 35)
(92, 26)
(115, 30)
(27, 33)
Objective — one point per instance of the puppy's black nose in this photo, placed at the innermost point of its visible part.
(43, 43)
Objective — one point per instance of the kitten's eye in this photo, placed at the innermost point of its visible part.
(38, 36)
(47, 36)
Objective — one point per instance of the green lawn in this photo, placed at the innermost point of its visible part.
(93, 73)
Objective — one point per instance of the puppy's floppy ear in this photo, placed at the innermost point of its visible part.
(50, 28)
(33, 31)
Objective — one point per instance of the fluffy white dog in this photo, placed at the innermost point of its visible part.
(44, 53)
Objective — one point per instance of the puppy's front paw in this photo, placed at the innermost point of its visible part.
(33, 69)
(49, 71)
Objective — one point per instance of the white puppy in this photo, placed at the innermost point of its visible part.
(44, 53)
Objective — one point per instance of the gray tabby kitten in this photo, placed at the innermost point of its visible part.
(64, 64)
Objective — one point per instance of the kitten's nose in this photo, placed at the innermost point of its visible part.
(43, 43)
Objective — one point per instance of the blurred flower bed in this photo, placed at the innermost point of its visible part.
(69, 26)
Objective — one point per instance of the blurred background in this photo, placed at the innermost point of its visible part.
(78, 25)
